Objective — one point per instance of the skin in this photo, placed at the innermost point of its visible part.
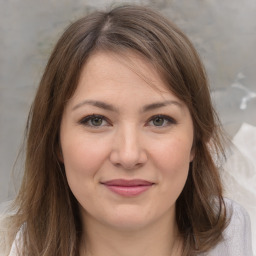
(128, 142)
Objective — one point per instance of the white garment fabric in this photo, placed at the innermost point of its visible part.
(239, 174)
(237, 236)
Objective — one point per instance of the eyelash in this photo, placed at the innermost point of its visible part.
(167, 119)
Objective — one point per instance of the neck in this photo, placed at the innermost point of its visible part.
(159, 238)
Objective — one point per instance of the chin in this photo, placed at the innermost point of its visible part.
(129, 224)
(129, 219)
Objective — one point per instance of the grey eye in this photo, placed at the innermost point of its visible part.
(161, 121)
(158, 121)
(96, 121)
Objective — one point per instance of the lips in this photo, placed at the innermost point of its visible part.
(128, 187)
(127, 183)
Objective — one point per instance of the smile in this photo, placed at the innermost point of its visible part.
(128, 188)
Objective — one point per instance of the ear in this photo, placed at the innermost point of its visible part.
(192, 153)
(59, 153)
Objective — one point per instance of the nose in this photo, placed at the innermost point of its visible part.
(127, 149)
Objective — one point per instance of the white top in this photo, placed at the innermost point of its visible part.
(237, 236)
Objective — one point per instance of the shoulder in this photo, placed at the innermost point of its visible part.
(16, 245)
(237, 238)
(14, 249)
(7, 245)
(10, 247)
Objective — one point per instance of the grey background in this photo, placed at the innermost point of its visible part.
(224, 32)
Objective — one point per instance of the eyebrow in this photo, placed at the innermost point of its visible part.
(160, 105)
(109, 107)
(96, 103)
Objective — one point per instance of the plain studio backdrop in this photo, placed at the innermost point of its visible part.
(224, 33)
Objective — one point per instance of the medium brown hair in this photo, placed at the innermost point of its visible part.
(46, 209)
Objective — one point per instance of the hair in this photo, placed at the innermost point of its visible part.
(46, 211)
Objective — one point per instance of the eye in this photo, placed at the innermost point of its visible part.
(94, 121)
(161, 121)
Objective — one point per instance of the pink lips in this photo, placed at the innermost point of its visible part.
(128, 188)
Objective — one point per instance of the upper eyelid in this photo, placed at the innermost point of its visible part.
(162, 116)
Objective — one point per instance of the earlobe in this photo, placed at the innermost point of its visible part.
(60, 156)
(192, 154)
(59, 153)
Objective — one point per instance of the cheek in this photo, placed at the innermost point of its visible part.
(82, 161)
(82, 158)
(172, 159)
(174, 155)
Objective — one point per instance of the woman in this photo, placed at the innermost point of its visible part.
(120, 145)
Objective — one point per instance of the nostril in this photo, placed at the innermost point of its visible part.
(128, 161)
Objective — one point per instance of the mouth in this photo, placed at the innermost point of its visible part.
(128, 188)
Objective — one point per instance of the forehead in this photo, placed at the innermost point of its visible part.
(106, 70)
(127, 81)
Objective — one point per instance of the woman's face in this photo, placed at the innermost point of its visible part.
(126, 145)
